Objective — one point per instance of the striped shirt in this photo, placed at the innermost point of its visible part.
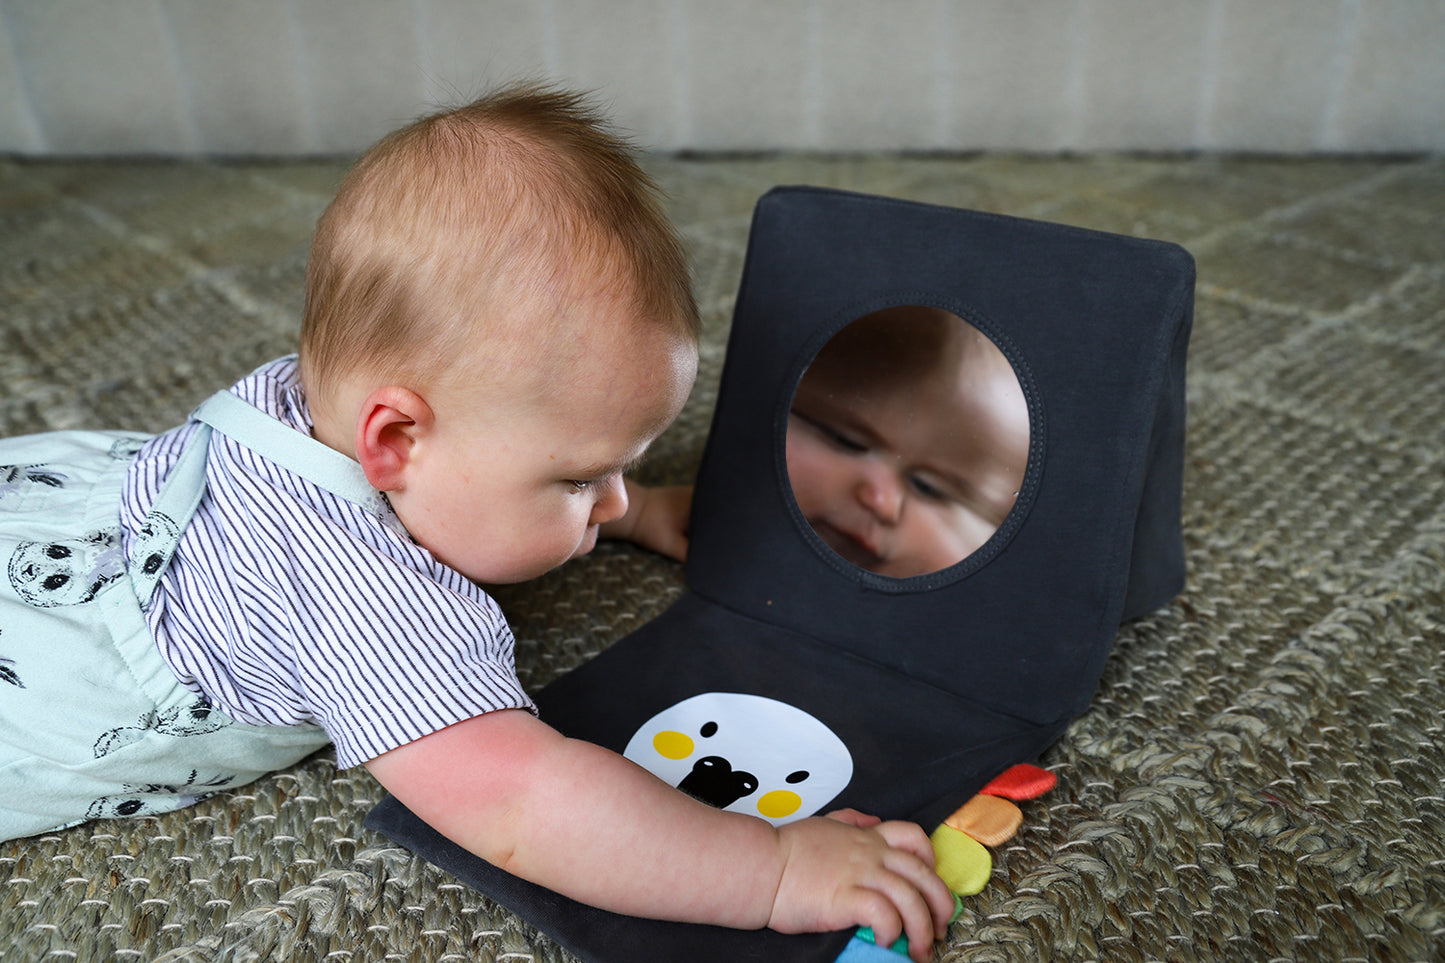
(286, 605)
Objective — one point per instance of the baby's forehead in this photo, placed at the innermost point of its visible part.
(951, 412)
(910, 351)
(872, 380)
(611, 361)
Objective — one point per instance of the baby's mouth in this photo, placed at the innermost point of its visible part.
(588, 543)
(853, 548)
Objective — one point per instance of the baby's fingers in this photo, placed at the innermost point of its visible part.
(904, 910)
(908, 840)
(905, 859)
(879, 912)
(853, 817)
(938, 900)
(909, 837)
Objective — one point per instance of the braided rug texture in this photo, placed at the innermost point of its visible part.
(1262, 773)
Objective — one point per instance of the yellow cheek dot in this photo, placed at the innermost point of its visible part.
(779, 803)
(672, 745)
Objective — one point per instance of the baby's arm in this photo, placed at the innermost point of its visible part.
(588, 823)
(656, 518)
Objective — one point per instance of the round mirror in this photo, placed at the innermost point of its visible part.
(907, 441)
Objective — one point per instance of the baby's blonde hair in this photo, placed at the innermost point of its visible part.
(444, 229)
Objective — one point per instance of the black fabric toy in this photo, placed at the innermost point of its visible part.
(787, 680)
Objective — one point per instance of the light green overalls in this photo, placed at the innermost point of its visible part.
(93, 722)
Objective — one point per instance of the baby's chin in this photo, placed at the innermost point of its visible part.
(854, 551)
(535, 567)
(850, 548)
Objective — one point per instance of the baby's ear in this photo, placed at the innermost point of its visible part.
(389, 423)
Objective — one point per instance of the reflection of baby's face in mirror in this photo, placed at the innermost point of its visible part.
(907, 441)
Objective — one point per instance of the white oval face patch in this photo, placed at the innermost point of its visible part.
(745, 754)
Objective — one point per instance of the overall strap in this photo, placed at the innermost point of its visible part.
(155, 544)
(299, 454)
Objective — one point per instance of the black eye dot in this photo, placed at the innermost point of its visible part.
(708, 730)
(797, 777)
(128, 808)
(57, 551)
(153, 564)
(55, 582)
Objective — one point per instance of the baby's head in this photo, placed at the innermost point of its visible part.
(907, 441)
(496, 309)
(450, 235)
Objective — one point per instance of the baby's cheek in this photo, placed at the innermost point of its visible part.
(938, 538)
(812, 476)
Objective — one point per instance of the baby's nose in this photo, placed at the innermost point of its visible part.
(880, 490)
(612, 503)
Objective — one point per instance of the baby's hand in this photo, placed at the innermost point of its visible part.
(852, 870)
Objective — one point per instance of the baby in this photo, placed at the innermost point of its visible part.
(498, 323)
(907, 441)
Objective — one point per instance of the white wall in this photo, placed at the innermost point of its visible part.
(304, 76)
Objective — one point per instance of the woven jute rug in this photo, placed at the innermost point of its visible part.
(1262, 773)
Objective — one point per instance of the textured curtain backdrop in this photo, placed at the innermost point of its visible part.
(317, 76)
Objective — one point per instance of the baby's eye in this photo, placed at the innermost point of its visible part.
(579, 486)
(928, 489)
(845, 442)
(833, 436)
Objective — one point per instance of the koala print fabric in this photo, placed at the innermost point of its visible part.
(73, 635)
(69, 572)
(16, 480)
